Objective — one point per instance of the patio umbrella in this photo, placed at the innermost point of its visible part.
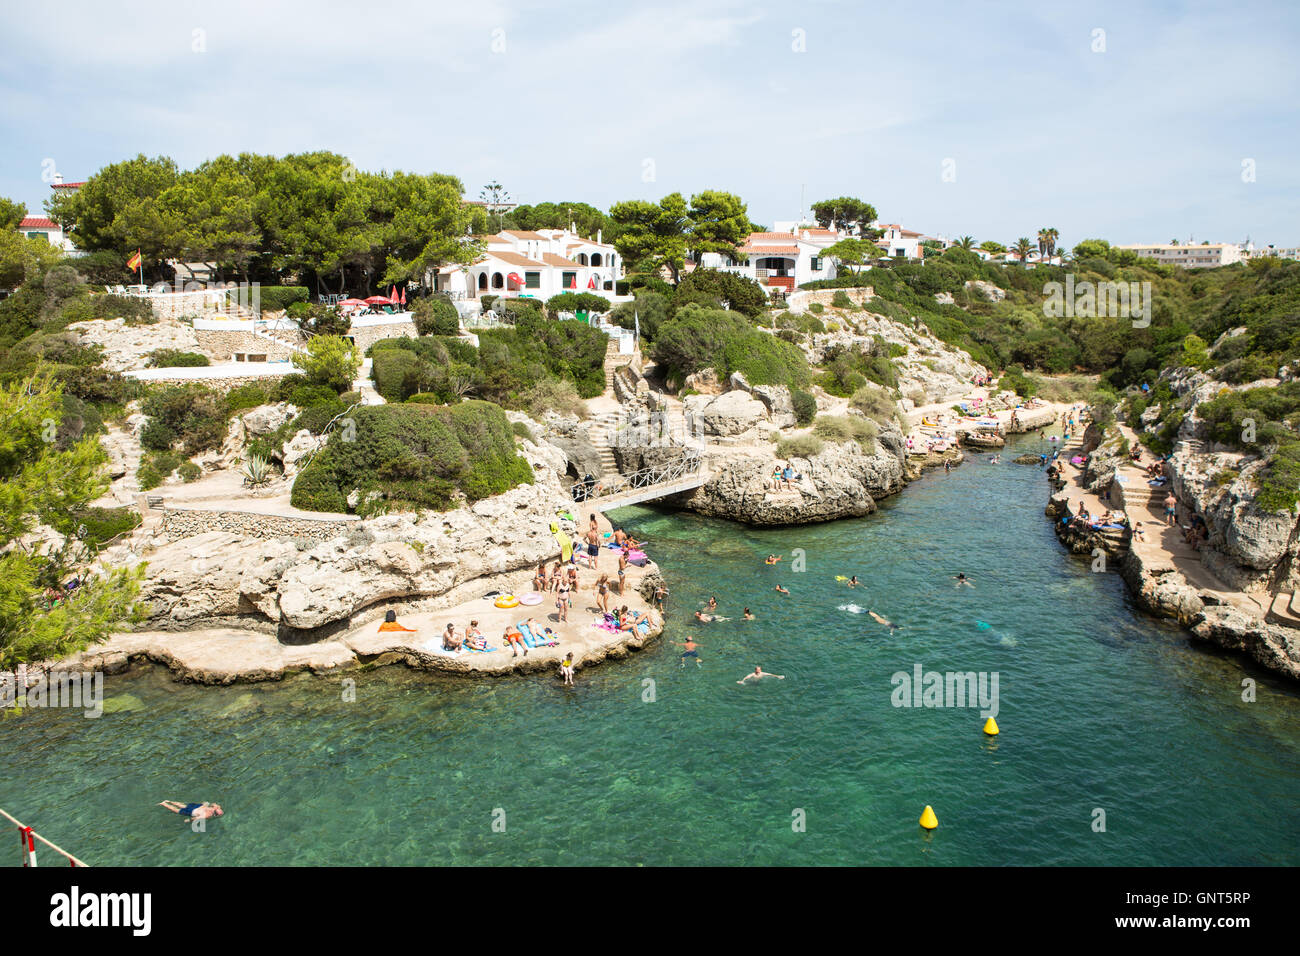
(515, 278)
(573, 282)
(393, 295)
(591, 283)
(378, 300)
(352, 302)
(403, 297)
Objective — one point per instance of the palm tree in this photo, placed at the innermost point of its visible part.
(966, 242)
(1042, 243)
(1023, 247)
(1050, 234)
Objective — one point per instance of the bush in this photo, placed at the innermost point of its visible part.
(1015, 379)
(155, 467)
(552, 396)
(157, 436)
(436, 315)
(799, 446)
(189, 471)
(805, 406)
(816, 308)
(741, 294)
(316, 418)
(518, 310)
(243, 397)
(389, 369)
(97, 526)
(191, 414)
(576, 302)
(843, 428)
(276, 297)
(330, 360)
(841, 300)
(697, 338)
(416, 456)
(648, 312)
(174, 358)
(875, 403)
(650, 283)
(522, 430)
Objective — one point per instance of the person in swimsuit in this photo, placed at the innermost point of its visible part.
(1171, 508)
(474, 637)
(690, 650)
(515, 640)
(759, 675)
(562, 601)
(602, 592)
(881, 620)
(704, 618)
(853, 581)
(566, 669)
(773, 559)
(748, 616)
(781, 590)
(961, 579)
(713, 603)
(195, 811)
(622, 570)
(539, 579)
(661, 592)
(449, 640)
(593, 543)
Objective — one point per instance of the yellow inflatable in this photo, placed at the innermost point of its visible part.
(506, 600)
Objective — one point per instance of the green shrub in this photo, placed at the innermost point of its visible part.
(189, 471)
(435, 315)
(741, 294)
(174, 358)
(799, 446)
(389, 370)
(697, 338)
(97, 526)
(554, 396)
(273, 298)
(841, 300)
(576, 302)
(426, 398)
(875, 403)
(843, 428)
(191, 414)
(316, 418)
(522, 430)
(243, 397)
(805, 406)
(415, 456)
(519, 309)
(816, 308)
(155, 467)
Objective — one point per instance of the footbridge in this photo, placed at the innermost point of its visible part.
(683, 473)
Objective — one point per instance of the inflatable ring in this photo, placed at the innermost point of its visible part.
(506, 600)
(533, 597)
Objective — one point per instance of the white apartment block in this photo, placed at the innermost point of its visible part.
(1206, 256)
(779, 261)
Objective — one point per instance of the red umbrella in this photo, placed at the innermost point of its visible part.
(573, 282)
(393, 295)
(378, 300)
(403, 297)
(591, 283)
(514, 277)
(352, 302)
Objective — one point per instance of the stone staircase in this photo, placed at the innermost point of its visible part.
(602, 430)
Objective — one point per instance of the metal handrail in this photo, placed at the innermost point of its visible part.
(679, 468)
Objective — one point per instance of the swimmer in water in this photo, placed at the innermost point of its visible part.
(690, 650)
(713, 603)
(853, 581)
(773, 559)
(759, 675)
(704, 618)
(781, 589)
(885, 621)
(195, 811)
(961, 579)
(748, 616)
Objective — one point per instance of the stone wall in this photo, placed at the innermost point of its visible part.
(368, 335)
(223, 345)
(800, 301)
(175, 305)
(177, 524)
(221, 384)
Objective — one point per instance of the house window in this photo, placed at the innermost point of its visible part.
(567, 279)
(532, 280)
(595, 258)
(817, 264)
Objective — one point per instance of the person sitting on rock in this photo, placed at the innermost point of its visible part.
(475, 638)
(450, 642)
(390, 623)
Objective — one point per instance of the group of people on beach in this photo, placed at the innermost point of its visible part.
(783, 477)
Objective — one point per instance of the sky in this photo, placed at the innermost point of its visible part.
(1133, 121)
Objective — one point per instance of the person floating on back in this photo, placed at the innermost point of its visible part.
(195, 811)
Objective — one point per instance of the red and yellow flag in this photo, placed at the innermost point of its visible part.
(134, 261)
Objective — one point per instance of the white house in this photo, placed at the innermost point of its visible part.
(780, 260)
(40, 227)
(1205, 256)
(537, 264)
(896, 242)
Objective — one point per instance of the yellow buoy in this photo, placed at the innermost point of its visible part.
(928, 819)
(991, 727)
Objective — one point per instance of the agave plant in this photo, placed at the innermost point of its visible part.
(256, 471)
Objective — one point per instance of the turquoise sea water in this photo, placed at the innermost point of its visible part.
(1100, 707)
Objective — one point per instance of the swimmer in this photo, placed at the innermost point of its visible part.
(713, 603)
(759, 675)
(885, 621)
(853, 581)
(748, 616)
(690, 650)
(781, 590)
(773, 559)
(961, 579)
(195, 811)
(704, 618)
